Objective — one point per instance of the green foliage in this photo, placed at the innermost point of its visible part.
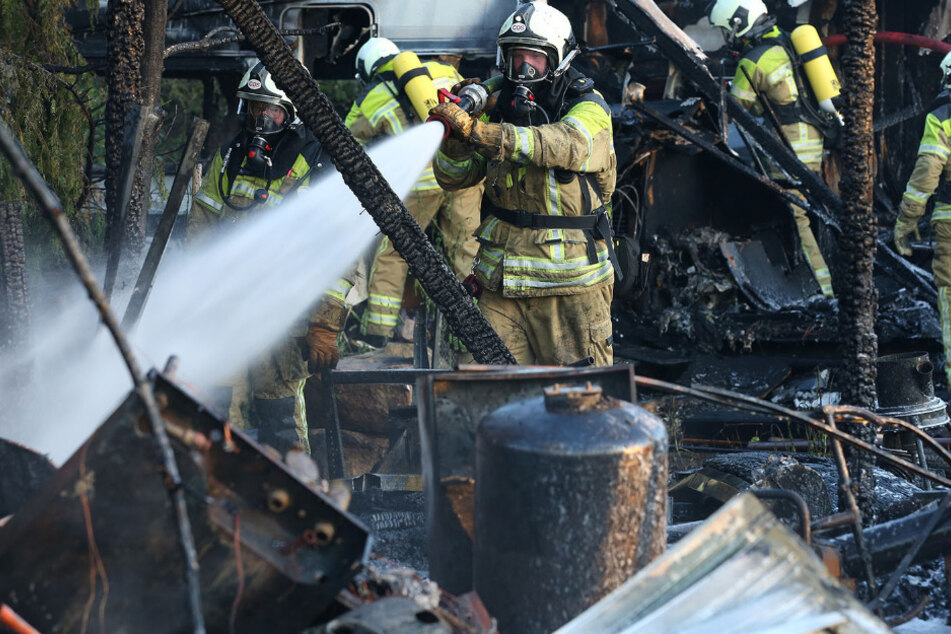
(341, 92)
(45, 112)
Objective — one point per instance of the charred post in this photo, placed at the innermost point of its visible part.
(156, 13)
(14, 293)
(858, 297)
(123, 76)
(368, 184)
(15, 315)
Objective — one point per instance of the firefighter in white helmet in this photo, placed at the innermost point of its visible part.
(385, 108)
(766, 69)
(930, 177)
(273, 157)
(544, 271)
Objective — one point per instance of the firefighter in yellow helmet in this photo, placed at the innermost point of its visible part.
(766, 68)
(933, 168)
(546, 153)
(384, 109)
(273, 157)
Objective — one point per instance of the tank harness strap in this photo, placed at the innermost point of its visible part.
(789, 113)
(602, 229)
(409, 75)
(389, 79)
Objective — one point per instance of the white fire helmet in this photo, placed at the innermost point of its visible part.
(258, 85)
(737, 18)
(373, 54)
(536, 26)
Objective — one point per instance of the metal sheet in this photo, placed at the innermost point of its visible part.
(764, 282)
(740, 571)
(106, 515)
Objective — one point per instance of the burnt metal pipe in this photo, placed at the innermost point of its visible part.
(863, 414)
(369, 185)
(894, 37)
(848, 495)
(923, 536)
(805, 522)
(890, 542)
(48, 202)
(742, 401)
(830, 522)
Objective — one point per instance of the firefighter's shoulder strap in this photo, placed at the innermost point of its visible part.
(392, 83)
(806, 105)
(299, 142)
(232, 155)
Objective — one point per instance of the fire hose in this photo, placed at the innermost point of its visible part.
(894, 37)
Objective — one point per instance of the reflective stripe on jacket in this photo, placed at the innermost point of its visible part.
(933, 154)
(539, 169)
(377, 112)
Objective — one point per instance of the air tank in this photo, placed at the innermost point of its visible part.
(570, 501)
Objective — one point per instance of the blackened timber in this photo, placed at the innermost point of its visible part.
(698, 139)
(889, 542)
(684, 53)
(857, 294)
(368, 184)
(124, 49)
(140, 293)
(691, 61)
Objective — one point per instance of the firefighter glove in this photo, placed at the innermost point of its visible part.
(458, 120)
(904, 228)
(322, 351)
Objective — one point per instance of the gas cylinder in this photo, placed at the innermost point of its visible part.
(816, 64)
(570, 501)
(415, 82)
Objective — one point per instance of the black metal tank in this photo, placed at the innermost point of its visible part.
(906, 391)
(570, 501)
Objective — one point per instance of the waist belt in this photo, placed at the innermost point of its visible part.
(596, 226)
(529, 219)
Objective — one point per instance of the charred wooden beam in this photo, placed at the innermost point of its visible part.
(858, 296)
(368, 184)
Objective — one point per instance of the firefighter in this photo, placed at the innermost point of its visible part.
(931, 169)
(543, 275)
(384, 108)
(272, 157)
(766, 69)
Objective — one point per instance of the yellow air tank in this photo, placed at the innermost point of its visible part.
(815, 61)
(414, 80)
